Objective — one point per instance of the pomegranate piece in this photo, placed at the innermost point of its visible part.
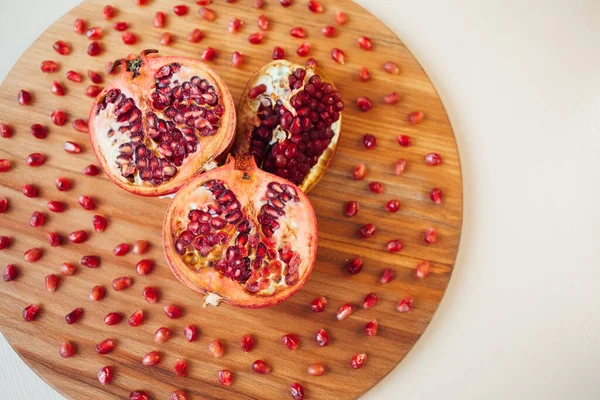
(340, 18)
(263, 22)
(181, 10)
(149, 294)
(322, 338)
(430, 236)
(140, 247)
(90, 261)
(108, 12)
(354, 265)
(74, 316)
(5, 130)
(392, 206)
(94, 49)
(215, 348)
(422, 269)
(258, 3)
(344, 312)
(136, 318)
(38, 131)
(369, 141)
(122, 283)
(394, 246)
(255, 38)
(261, 367)
(365, 43)
(370, 301)
(247, 343)
(225, 377)
(120, 26)
(359, 172)
(415, 118)
(66, 349)
(74, 76)
(106, 346)
(93, 90)
(99, 223)
(234, 25)
(61, 47)
(49, 66)
(3, 205)
(67, 269)
(316, 369)
(78, 236)
(436, 195)
(298, 32)
(113, 318)
(315, 6)
(351, 208)
(391, 98)
(151, 359)
(195, 36)
(391, 68)
(29, 190)
(311, 62)
(256, 91)
(190, 333)
(285, 3)
(90, 170)
(58, 117)
(10, 273)
(237, 59)
(328, 31)
(80, 125)
(172, 311)
(86, 202)
(318, 304)
(364, 104)
(30, 312)
(404, 140)
(159, 19)
(33, 255)
(56, 206)
(399, 167)
(278, 53)
(371, 328)
(139, 394)
(35, 159)
(4, 242)
(121, 249)
(165, 39)
(405, 305)
(178, 395)
(97, 293)
(24, 97)
(72, 148)
(338, 56)
(433, 159)
(367, 231)
(358, 360)
(95, 77)
(79, 26)
(128, 38)
(37, 219)
(303, 50)
(162, 335)
(207, 14)
(105, 375)
(297, 391)
(94, 33)
(144, 267)
(4, 165)
(180, 367)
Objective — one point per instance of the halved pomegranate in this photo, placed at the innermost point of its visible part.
(289, 119)
(160, 122)
(242, 236)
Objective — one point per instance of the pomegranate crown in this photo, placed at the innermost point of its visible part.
(135, 64)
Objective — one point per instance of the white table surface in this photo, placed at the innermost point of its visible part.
(521, 84)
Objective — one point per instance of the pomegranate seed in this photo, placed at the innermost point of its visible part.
(37, 219)
(234, 25)
(140, 247)
(72, 148)
(328, 31)
(29, 190)
(404, 140)
(358, 360)
(203, 2)
(371, 328)
(315, 7)
(144, 267)
(405, 305)
(257, 90)
(113, 318)
(311, 62)
(263, 22)
(4, 165)
(367, 231)
(247, 343)
(81, 125)
(121, 283)
(87, 202)
(370, 301)
(67, 269)
(74, 316)
(365, 43)
(32, 255)
(159, 19)
(236, 59)
(181, 10)
(433, 159)
(105, 347)
(139, 394)
(56, 206)
(415, 118)
(162, 335)
(58, 117)
(24, 97)
(48, 66)
(216, 348)
(10, 273)
(93, 90)
(3, 205)
(95, 77)
(108, 11)
(136, 318)
(394, 246)
(38, 131)
(5, 130)
(399, 167)
(258, 3)
(345, 311)
(430, 236)
(195, 36)
(209, 54)
(30, 312)
(298, 32)
(391, 68)
(339, 57)
(392, 206)
(149, 294)
(61, 47)
(303, 49)
(322, 338)
(121, 249)
(35, 159)
(255, 38)
(90, 170)
(66, 349)
(318, 304)
(78, 236)
(354, 265)
(97, 293)
(172, 311)
(4, 242)
(99, 223)
(120, 26)
(94, 49)
(261, 367)
(285, 3)
(340, 18)
(190, 333)
(74, 76)
(391, 98)
(436, 195)
(105, 375)
(422, 269)
(207, 14)
(316, 369)
(180, 367)
(364, 104)
(359, 172)
(90, 261)
(94, 33)
(291, 341)
(79, 26)
(278, 53)
(225, 377)
(351, 208)
(140, 3)
(369, 141)
(376, 187)
(128, 38)
(297, 391)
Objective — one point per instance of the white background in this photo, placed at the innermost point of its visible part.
(521, 83)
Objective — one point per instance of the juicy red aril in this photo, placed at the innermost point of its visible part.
(391, 68)
(358, 360)
(4, 242)
(38, 131)
(121, 283)
(4, 165)
(257, 90)
(340, 17)
(364, 104)
(263, 22)
(365, 43)
(105, 375)
(143, 267)
(234, 25)
(67, 269)
(180, 10)
(97, 293)
(128, 38)
(344, 311)
(261, 367)
(61, 47)
(165, 39)
(399, 167)
(74, 316)
(394, 246)
(56, 206)
(415, 117)
(120, 26)
(370, 301)
(159, 19)
(90, 261)
(140, 247)
(99, 223)
(74, 76)
(121, 249)
(10, 273)
(422, 269)
(190, 333)
(391, 98)
(37, 219)
(303, 50)
(66, 349)
(371, 328)
(113, 318)
(404, 140)
(48, 66)
(322, 338)
(436, 195)
(94, 33)
(405, 305)
(172, 311)
(215, 348)
(376, 187)
(392, 206)
(87, 202)
(24, 97)
(247, 343)
(95, 77)
(35, 159)
(278, 53)
(258, 3)
(209, 54)
(207, 14)
(367, 231)
(30, 312)
(78, 236)
(338, 56)
(318, 304)
(79, 26)
(162, 335)
(136, 318)
(351, 208)
(72, 148)
(359, 172)
(105, 346)
(316, 369)
(328, 31)
(285, 3)
(139, 394)
(93, 90)
(94, 49)
(255, 38)
(297, 391)
(433, 159)
(180, 368)
(369, 141)
(298, 33)
(354, 265)
(32, 255)
(291, 341)
(58, 117)
(195, 36)
(225, 377)
(108, 11)
(311, 62)
(80, 125)
(430, 236)
(149, 294)
(315, 6)
(3, 205)
(5, 130)
(237, 59)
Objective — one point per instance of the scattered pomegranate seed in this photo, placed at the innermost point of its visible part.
(297, 391)
(318, 304)
(140, 2)
(255, 38)
(234, 25)
(258, 3)
(278, 53)
(303, 50)
(121, 283)
(152, 358)
(159, 19)
(128, 38)
(405, 305)
(311, 62)
(108, 11)
(298, 32)
(181, 10)
(216, 348)
(80, 125)
(207, 14)
(90, 261)
(37, 219)
(78, 236)
(121, 249)
(315, 6)
(261, 367)
(225, 377)
(48, 66)
(364, 104)
(61, 47)
(358, 360)
(95, 77)
(99, 223)
(10, 273)
(422, 269)
(433, 159)
(29, 190)
(391, 98)
(415, 118)
(404, 140)
(399, 167)
(94, 49)
(94, 33)
(38, 131)
(190, 333)
(87, 202)
(32, 255)
(105, 375)
(90, 170)
(113, 318)
(430, 236)
(371, 328)
(365, 43)
(285, 3)
(105, 347)
(74, 316)
(74, 76)
(256, 91)
(30, 312)
(67, 269)
(180, 367)
(136, 318)
(354, 265)
(328, 31)
(236, 59)
(392, 206)
(93, 90)
(144, 267)
(3, 205)
(345, 311)
(72, 148)
(391, 68)
(4, 242)
(97, 293)
(263, 22)
(359, 172)
(340, 18)
(376, 187)
(5, 130)
(316, 369)
(24, 97)
(172, 311)
(79, 26)
(162, 334)
(139, 394)
(340, 58)
(35, 159)
(436, 195)
(209, 54)
(369, 141)
(322, 338)
(394, 246)
(140, 247)
(247, 343)
(56, 206)
(149, 294)
(370, 301)
(351, 208)
(58, 117)
(367, 231)
(66, 349)
(120, 26)
(195, 36)
(4, 165)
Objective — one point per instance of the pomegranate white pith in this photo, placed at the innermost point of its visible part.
(161, 121)
(240, 235)
(289, 137)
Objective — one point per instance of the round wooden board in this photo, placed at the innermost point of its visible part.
(132, 218)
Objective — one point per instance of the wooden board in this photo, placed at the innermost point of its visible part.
(132, 218)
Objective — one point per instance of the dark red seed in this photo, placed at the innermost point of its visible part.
(364, 104)
(48, 66)
(394, 246)
(369, 141)
(285, 3)
(225, 377)
(93, 90)
(10, 273)
(95, 77)
(120, 26)
(322, 338)
(392, 206)
(105, 375)
(74, 316)
(261, 367)
(256, 91)
(136, 318)
(62, 184)
(354, 265)
(94, 49)
(143, 267)
(79, 26)
(180, 367)
(291, 341)
(121, 249)
(436, 195)
(29, 190)
(298, 32)
(149, 294)
(97, 293)
(37, 219)
(190, 333)
(32, 255)
(24, 97)
(209, 54)
(90, 170)
(404, 140)
(87, 202)
(61, 47)
(311, 62)
(376, 187)
(113, 318)
(358, 360)
(4, 165)
(128, 38)
(78, 236)
(58, 117)
(297, 391)
(195, 36)
(3, 205)
(318, 304)
(74, 76)
(415, 118)
(121, 283)
(108, 11)
(278, 53)
(99, 223)
(351, 208)
(5, 130)
(338, 56)
(38, 131)
(53, 239)
(328, 31)
(30, 312)
(247, 343)
(433, 159)
(370, 301)
(304, 49)
(35, 159)
(371, 328)
(180, 10)
(172, 311)
(367, 231)
(159, 19)
(4, 242)
(255, 38)
(106, 346)
(56, 206)
(52, 282)
(66, 349)
(90, 261)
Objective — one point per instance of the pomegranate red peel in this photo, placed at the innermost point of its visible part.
(163, 120)
(290, 132)
(262, 256)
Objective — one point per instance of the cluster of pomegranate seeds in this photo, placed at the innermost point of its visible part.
(32, 255)
(5, 130)
(338, 56)
(99, 223)
(318, 304)
(149, 294)
(278, 53)
(297, 391)
(61, 47)
(344, 312)
(105, 375)
(371, 328)
(66, 349)
(151, 359)
(225, 377)
(322, 338)
(303, 50)
(215, 348)
(74, 316)
(37, 219)
(394, 246)
(30, 312)
(364, 103)
(10, 273)
(354, 265)
(35, 159)
(261, 367)
(4, 242)
(90, 261)
(247, 343)
(159, 19)
(79, 26)
(29, 190)
(113, 318)
(38, 131)
(97, 293)
(370, 301)
(316, 369)
(405, 305)
(358, 360)
(136, 318)
(106, 346)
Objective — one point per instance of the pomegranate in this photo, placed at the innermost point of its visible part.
(161, 121)
(241, 235)
(290, 120)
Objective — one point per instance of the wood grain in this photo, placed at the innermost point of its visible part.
(132, 218)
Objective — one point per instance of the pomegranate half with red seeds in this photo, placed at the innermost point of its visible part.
(240, 235)
(289, 119)
(161, 121)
